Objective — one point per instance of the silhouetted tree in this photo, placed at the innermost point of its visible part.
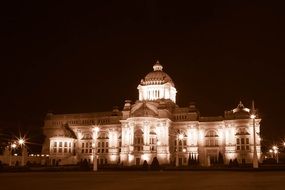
(145, 165)
(235, 163)
(85, 164)
(155, 164)
(231, 163)
(220, 158)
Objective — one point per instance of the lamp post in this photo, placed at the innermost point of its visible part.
(22, 143)
(13, 146)
(94, 146)
(178, 138)
(254, 159)
(275, 151)
(271, 153)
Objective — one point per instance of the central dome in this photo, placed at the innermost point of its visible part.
(157, 85)
(157, 76)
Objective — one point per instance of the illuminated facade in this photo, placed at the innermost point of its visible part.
(153, 126)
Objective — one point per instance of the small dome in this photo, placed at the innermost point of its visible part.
(157, 66)
(157, 76)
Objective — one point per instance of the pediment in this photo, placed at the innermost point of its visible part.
(144, 109)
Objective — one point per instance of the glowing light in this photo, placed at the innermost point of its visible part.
(252, 116)
(201, 135)
(145, 157)
(275, 147)
(96, 129)
(131, 157)
(21, 141)
(158, 143)
(270, 150)
(15, 154)
(13, 145)
(180, 136)
(184, 149)
(113, 158)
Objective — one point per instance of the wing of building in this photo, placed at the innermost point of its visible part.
(153, 126)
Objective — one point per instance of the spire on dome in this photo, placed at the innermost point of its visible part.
(157, 66)
(252, 107)
(240, 105)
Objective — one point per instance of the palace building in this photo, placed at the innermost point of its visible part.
(153, 126)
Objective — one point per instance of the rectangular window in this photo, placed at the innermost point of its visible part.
(98, 151)
(69, 150)
(247, 140)
(184, 142)
(65, 144)
(70, 144)
(60, 144)
(238, 147)
(82, 151)
(90, 150)
(65, 150)
(99, 144)
(107, 150)
(242, 140)
(54, 150)
(60, 150)
(107, 144)
(82, 145)
(247, 147)
(207, 143)
(102, 150)
(242, 147)
(103, 144)
(216, 143)
(54, 144)
(238, 141)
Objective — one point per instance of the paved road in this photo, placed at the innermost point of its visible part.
(143, 180)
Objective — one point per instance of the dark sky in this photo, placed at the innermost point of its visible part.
(72, 58)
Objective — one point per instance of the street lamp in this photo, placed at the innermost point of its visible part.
(254, 159)
(275, 150)
(271, 153)
(13, 146)
(22, 143)
(94, 146)
(179, 137)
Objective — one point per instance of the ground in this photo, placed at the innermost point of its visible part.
(144, 180)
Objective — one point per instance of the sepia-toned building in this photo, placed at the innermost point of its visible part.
(152, 126)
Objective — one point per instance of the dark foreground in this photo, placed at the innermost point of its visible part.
(144, 180)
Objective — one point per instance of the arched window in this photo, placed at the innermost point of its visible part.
(138, 140)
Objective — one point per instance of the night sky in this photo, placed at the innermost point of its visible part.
(72, 58)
